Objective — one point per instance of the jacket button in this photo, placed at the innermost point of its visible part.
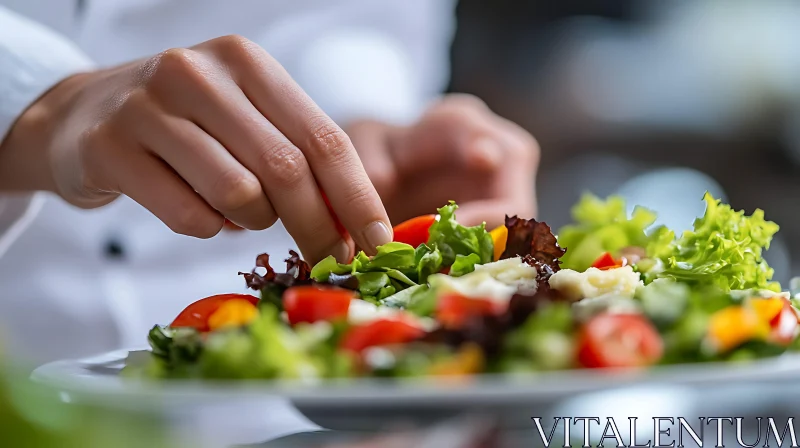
(114, 250)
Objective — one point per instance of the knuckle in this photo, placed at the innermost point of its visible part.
(180, 62)
(360, 194)
(465, 101)
(527, 147)
(234, 46)
(328, 141)
(232, 42)
(534, 149)
(286, 165)
(235, 190)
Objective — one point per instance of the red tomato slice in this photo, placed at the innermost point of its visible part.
(619, 340)
(196, 315)
(452, 310)
(606, 261)
(414, 231)
(339, 227)
(315, 303)
(380, 332)
(784, 325)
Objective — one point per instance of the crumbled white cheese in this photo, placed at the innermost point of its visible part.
(511, 271)
(620, 282)
(476, 285)
(497, 281)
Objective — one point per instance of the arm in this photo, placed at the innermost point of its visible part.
(32, 59)
(197, 135)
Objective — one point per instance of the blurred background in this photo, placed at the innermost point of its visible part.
(658, 101)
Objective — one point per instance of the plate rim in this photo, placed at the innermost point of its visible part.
(72, 376)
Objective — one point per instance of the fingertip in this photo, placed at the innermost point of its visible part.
(341, 251)
(375, 234)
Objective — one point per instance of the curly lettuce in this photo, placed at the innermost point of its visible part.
(724, 249)
(602, 226)
(454, 239)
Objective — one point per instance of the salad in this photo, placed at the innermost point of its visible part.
(610, 291)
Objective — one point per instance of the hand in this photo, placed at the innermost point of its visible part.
(196, 135)
(458, 150)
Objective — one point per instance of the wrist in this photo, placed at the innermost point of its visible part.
(26, 151)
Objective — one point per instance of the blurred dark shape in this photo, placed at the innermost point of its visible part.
(615, 89)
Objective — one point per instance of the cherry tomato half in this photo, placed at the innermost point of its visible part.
(784, 325)
(606, 261)
(315, 303)
(619, 340)
(414, 231)
(379, 332)
(452, 310)
(196, 315)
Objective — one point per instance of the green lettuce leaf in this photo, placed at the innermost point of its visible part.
(724, 249)
(428, 260)
(464, 264)
(406, 297)
(454, 239)
(543, 342)
(266, 348)
(393, 256)
(602, 226)
(394, 268)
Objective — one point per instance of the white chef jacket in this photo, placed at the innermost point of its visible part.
(77, 282)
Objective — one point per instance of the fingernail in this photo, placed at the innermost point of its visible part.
(376, 234)
(340, 251)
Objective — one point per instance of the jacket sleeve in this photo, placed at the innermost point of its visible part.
(32, 59)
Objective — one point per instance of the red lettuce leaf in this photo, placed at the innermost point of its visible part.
(298, 272)
(528, 237)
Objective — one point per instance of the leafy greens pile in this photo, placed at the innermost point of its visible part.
(724, 247)
(398, 266)
(693, 294)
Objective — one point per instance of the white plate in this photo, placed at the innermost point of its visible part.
(98, 378)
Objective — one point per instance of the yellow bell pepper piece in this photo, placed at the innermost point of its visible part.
(468, 361)
(499, 238)
(233, 313)
(766, 309)
(734, 325)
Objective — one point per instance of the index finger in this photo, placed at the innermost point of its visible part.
(328, 150)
